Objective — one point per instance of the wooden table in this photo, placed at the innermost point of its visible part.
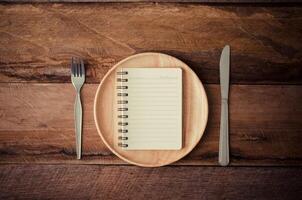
(37, 140)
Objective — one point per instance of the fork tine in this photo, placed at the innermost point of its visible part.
(82, 67)
(72, 66)
(79, 67)
(76, 68)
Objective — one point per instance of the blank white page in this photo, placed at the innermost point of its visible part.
(154, 108)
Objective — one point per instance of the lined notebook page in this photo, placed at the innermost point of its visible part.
(154, 108)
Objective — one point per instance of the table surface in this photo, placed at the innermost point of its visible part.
(37, 140)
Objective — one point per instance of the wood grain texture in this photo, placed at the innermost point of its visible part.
(108, 182)
(36, 126)
(37, 40)
(194, 115)
(159, 1)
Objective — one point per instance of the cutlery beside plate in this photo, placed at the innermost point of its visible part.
(224, 70)
(78, 79)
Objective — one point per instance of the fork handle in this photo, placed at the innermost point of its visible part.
(224, 134)
(78, 124)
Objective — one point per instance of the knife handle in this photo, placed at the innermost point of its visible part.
(224, 134)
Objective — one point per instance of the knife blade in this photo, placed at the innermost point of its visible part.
(224, 71)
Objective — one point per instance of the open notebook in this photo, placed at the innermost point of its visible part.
(149, 108)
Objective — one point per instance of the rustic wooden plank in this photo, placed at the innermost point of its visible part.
(108, 182)
(37, 40)
(36, 125)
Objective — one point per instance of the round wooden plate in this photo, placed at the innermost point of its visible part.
(195, 111)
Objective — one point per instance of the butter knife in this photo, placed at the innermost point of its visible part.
(224, 70)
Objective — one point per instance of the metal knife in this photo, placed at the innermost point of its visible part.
(224, 69)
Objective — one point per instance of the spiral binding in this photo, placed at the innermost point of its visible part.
(121, 94)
